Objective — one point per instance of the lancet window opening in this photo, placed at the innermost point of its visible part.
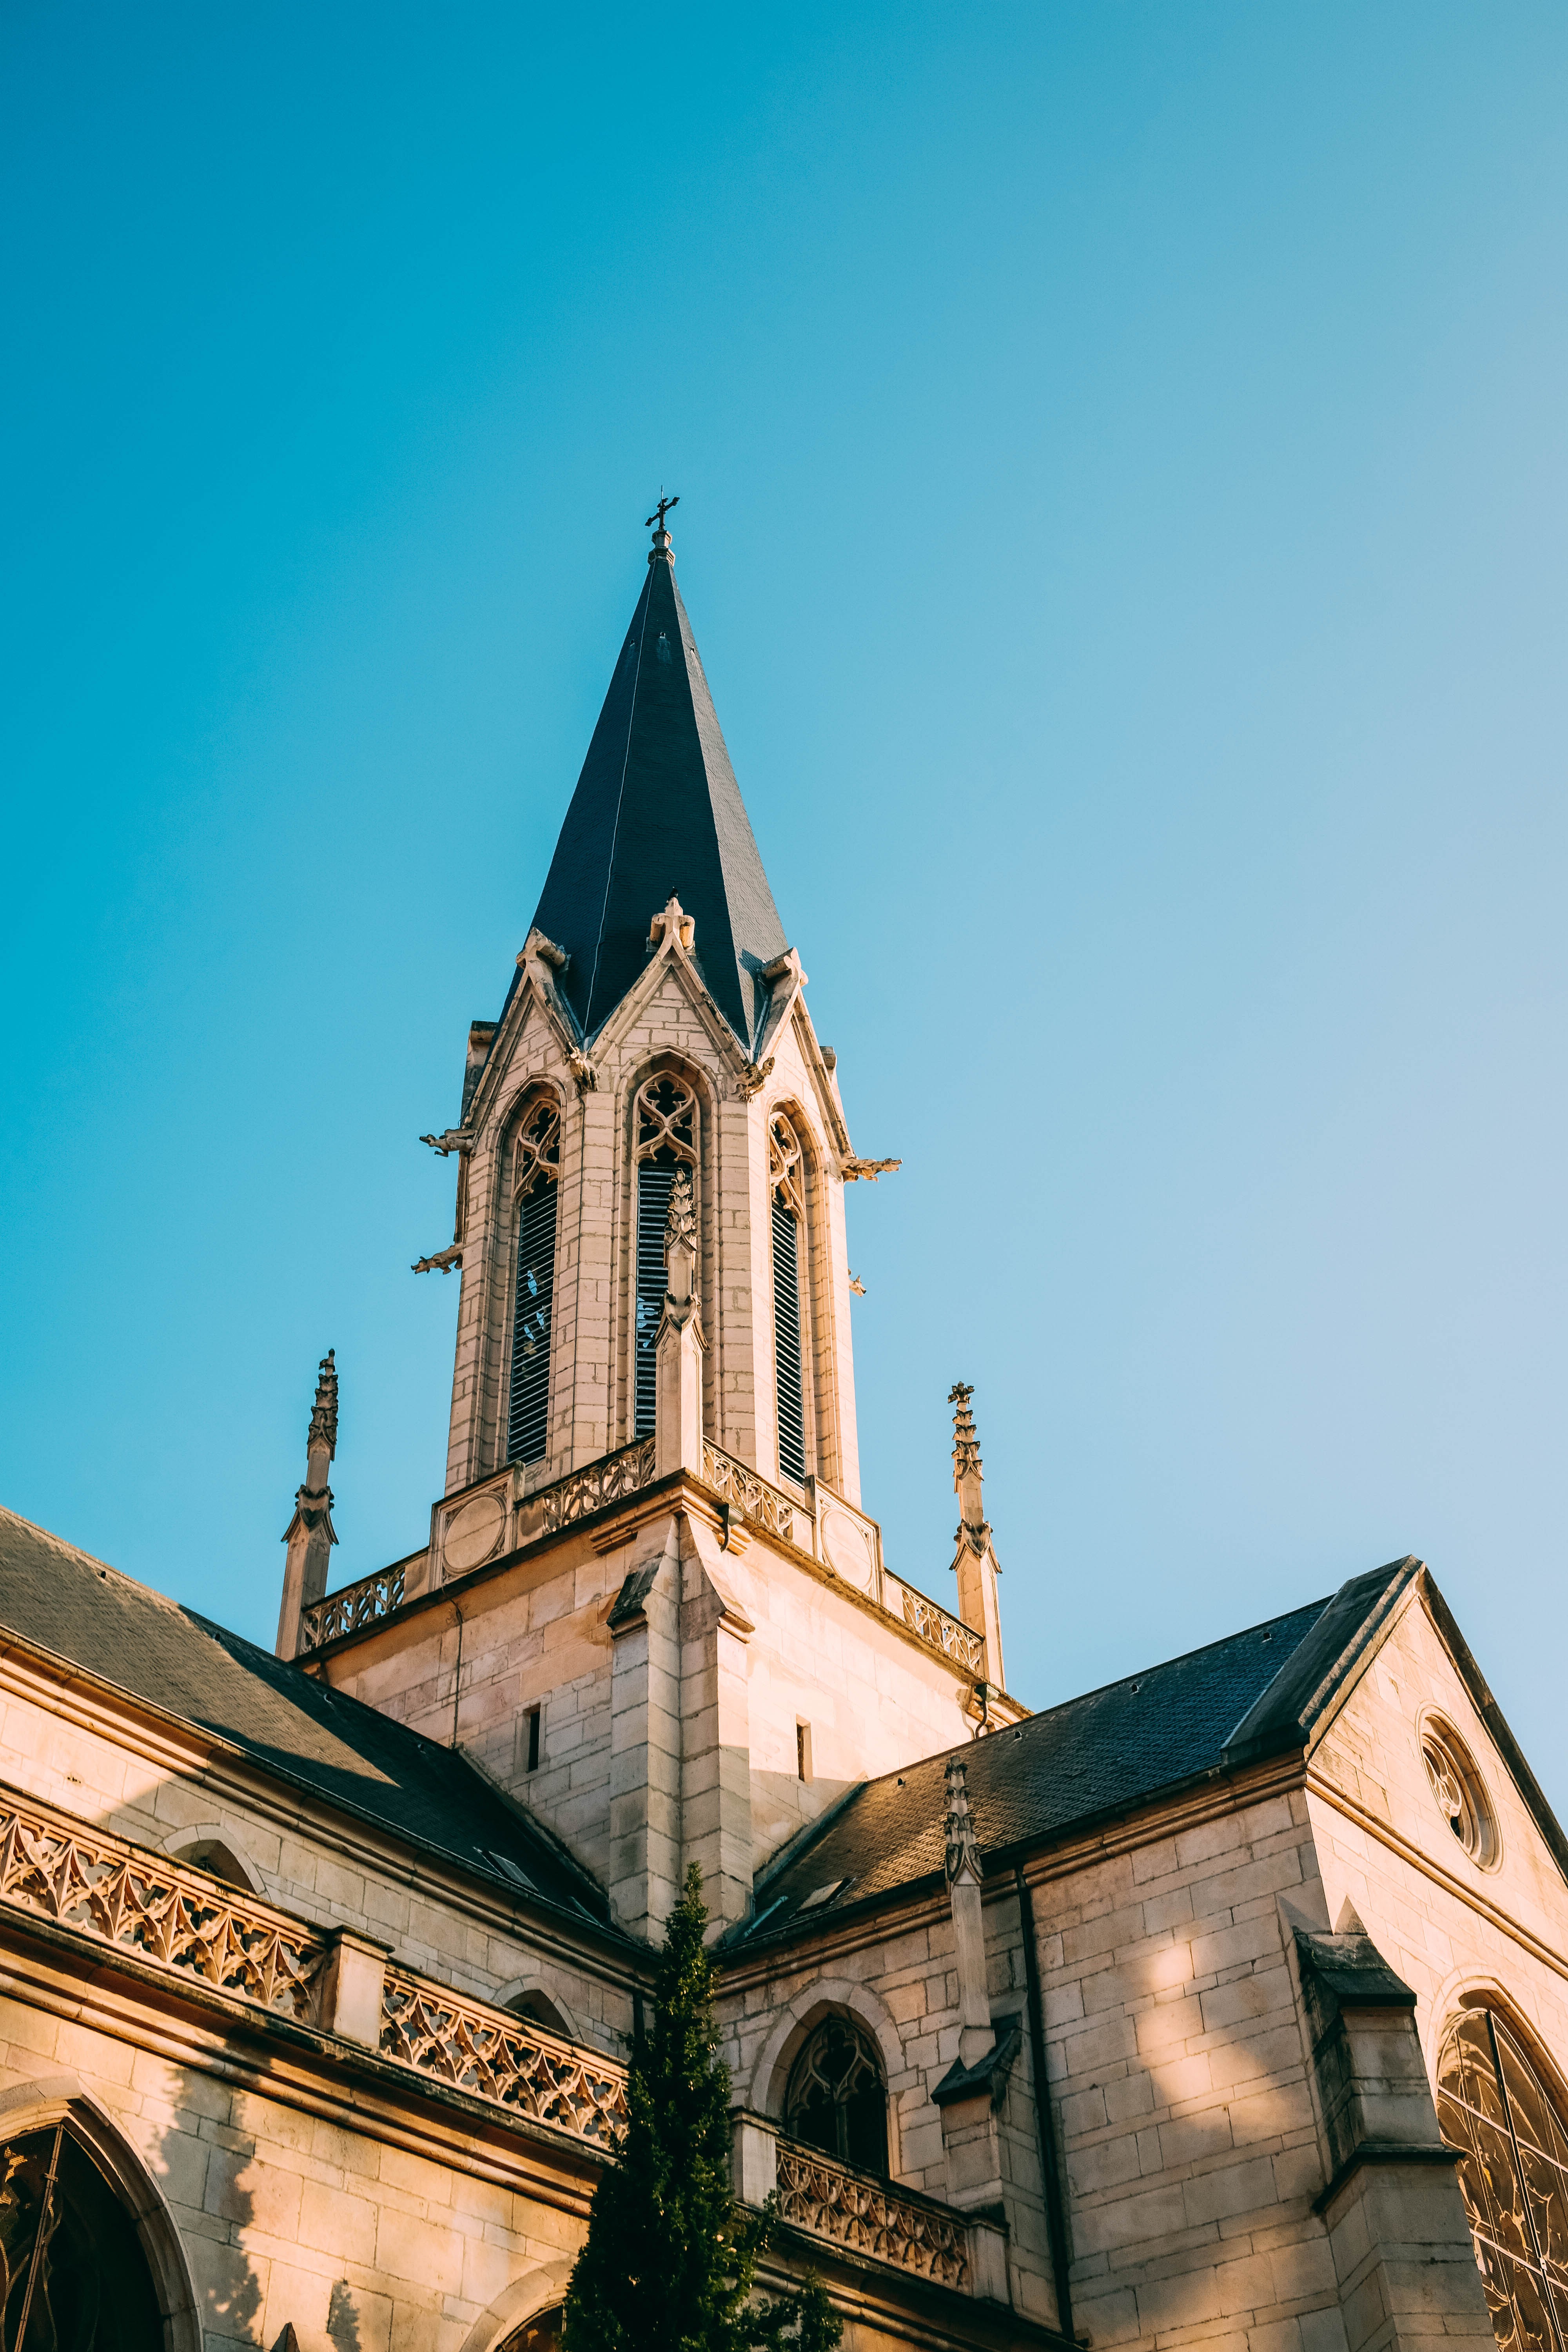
(664, 1139)
(536, 1173)
(786, 1188)
(1513, 2175)
(838, 2099)
(75, 2276)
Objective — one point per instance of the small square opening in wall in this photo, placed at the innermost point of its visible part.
(802, 1751)
(534, 1718)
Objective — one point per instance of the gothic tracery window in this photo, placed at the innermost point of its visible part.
(542, 2333)
(837, 2100)
(787, 1188)
(73, 2277)
(1513, 2174)
(665, 1128)
(536, 1170)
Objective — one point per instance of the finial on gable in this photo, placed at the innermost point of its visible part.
(672, 921)
(323, 1430)
(962, 1849)
(663, 548)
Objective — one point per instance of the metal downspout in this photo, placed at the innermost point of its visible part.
(1050, 2171)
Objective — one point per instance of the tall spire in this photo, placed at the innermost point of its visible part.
(310, 1534)
(658, 810)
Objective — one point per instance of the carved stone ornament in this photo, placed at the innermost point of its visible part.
(755, 1076)
(785, 1168)
(442, 1262)
(680, 1225)
(965, 1440)
(536, 1148)
(672, 921)
(852, 1168)
(666, 1119)
(324, 1429)
(453, 1139)
(584, 1073)
(962, 1850)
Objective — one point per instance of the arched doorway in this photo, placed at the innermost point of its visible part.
(73, 2275)
(541, 2334)
(1513, 2175)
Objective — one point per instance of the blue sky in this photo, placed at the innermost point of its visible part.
(1123, 514)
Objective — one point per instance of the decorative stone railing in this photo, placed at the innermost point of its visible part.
(766, 1506)
(118, 1894)
(486, 1521)
(949, 1634)
(913, 2233)
(609, 1480)
(353, 1607)
(493, 2055)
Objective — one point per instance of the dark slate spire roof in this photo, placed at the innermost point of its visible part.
(657, 810)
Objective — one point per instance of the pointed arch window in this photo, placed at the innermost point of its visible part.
(536, 1171)
(788, 1191)
(1513, 2175)
(665, 1125)
(74, 2274)
(837, 2099)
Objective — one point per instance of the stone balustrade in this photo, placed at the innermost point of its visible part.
(852, 2209)
(493, 2055)
(949, 1634)
(496, 1516)
(353, 1607)
(104, 1887)
(764, 1505)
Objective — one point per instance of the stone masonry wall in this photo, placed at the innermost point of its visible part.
(328, 1876)
(1449, 1926)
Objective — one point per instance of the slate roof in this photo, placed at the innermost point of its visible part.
(658, 809)
(296, 1729)
(1088, 1760)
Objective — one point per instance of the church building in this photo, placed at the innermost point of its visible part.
(1224, 2007)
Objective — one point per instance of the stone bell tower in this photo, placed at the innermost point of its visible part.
(650, 1606)
(655, 1027)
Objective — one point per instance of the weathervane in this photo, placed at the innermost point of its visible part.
(656, 520)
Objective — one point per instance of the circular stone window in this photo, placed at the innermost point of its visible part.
(1459, 1790)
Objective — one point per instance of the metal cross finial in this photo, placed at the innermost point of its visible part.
(656, 521)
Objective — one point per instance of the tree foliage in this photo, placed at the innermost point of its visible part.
(670, 2259)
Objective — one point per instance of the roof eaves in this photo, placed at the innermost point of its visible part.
(1317, 1670)
(1492, 1715)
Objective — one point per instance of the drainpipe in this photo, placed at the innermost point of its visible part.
(1050, 2170)
(457, 1677)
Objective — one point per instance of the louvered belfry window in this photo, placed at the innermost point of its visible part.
(536, 1168)
(787, 1189)
(665, 1116)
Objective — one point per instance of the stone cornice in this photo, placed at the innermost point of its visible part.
(1373, 1826)
(606, 1529)
(190, 2024)
(925, 1902)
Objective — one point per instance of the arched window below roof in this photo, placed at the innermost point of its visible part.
(540, 2009)
(837, 2099)
(541, 2334)
(787, 1188)
(74, 2276)
(536, 1171)
(212, 1854)
(665, 1141)
(1513, 2175)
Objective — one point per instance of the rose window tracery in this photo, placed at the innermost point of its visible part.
(1513, 2175)
(1459, 1790)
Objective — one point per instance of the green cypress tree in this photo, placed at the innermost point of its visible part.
(669, 2260)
